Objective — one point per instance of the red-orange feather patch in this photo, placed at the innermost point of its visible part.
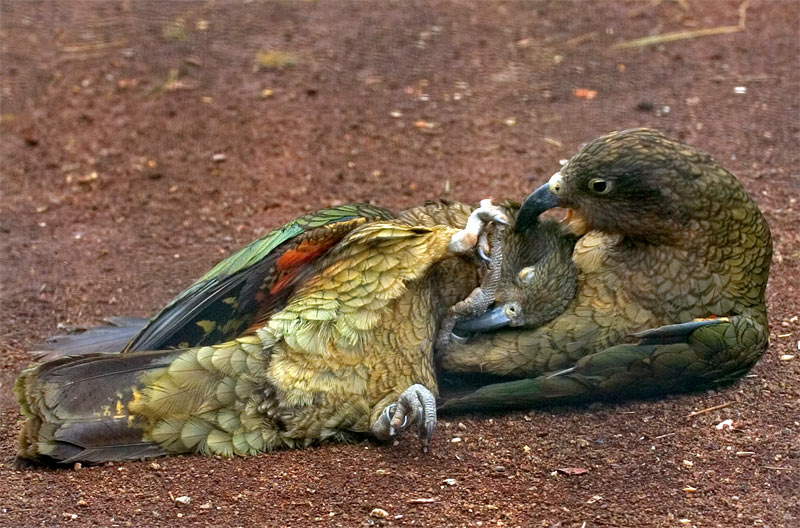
(290, 262)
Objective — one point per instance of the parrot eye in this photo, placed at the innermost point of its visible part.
(526, 275)
(599, 186)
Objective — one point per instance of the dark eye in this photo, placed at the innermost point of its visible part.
(599, 186)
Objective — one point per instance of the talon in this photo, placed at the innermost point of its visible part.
(455, 338)
(476, 224)
(395, 423)
(416, 405)
(482, 254)
(387, 415)
(426, 438)
(488, 212)
(497, 217)
(484, 248)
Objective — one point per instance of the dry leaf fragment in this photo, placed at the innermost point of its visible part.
(425, 124)
(572, 471)
(422, 500)
(584, 93)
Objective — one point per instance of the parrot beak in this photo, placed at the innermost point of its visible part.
(492, 319)
(538, 202)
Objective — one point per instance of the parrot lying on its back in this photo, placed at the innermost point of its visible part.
(672, 267)
(348, 349)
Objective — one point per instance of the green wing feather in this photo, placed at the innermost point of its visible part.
(672, 358)
(254, 282)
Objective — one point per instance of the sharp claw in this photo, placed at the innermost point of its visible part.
(416, 405)
(388, 414)
(427, 436)
(394, 424)
(455, 338)
(482, 254)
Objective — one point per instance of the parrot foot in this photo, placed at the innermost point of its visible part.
(416, 405)
(468, 238)
(481, 298)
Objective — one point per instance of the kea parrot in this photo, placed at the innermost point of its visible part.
(321, 329)
(672, 265)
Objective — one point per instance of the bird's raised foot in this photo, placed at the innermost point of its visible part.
(479, 300)
(468, 238)
(416, 405)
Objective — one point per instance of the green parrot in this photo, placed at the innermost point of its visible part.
(319, 330)
(672, 265)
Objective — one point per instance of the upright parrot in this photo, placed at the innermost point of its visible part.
(672, 265)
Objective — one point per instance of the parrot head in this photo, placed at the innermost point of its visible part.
(538, 279)
(637, 183)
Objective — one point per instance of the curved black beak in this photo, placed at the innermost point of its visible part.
(535, 204)
(492, 319)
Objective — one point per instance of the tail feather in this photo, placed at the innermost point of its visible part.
(77, 408)
(107, 339)
(100, 440)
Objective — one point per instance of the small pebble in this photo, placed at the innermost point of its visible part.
(379, 513)
(450, 481)
(725, 424)
(455, 440)
(462, 427)
(183, 499)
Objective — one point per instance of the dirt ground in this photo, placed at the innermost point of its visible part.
(143, 141)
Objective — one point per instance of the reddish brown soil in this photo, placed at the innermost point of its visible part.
(112, 203)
